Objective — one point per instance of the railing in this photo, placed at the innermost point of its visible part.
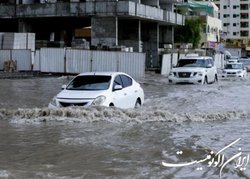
(109, 8)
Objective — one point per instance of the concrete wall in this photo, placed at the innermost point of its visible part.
(154, 3)
(150, 39)
(104, 31)
(166, 35)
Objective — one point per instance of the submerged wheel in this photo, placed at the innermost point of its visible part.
(138, 103)
(215, 78)
(205, 80)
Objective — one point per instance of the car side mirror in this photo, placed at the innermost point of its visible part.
(117, 87)
(209, 65)
(63, 87)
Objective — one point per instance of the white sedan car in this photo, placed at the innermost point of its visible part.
(234, 70)
(100, 89)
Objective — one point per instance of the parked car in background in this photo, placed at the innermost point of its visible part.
(233, 59)
(194, 69)
(246, 63)
(234, 70)
(100, 89)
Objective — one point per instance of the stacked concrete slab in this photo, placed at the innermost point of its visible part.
(18, 41)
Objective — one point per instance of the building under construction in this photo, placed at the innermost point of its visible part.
(132, 25)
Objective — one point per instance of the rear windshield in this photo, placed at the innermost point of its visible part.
(191, 63)
(91, 82)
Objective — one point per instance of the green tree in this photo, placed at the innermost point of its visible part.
(190, 32)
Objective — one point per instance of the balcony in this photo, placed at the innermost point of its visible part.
(89, 9)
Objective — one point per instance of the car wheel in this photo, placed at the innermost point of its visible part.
(215, 78)
(205, 80)
(138, 103)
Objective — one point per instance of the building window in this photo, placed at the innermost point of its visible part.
(244, 16)
(244, 33)
(226, 15)
(234, 33)
(244, 7)
(234, 24)
(244, 25)
(224, 7)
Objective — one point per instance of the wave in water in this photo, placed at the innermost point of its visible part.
(95, 114)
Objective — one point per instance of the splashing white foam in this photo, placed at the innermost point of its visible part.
(114, 115)
(4, 174)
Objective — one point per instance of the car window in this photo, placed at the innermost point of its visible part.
(192, 63)
(126, 81)
(245, 62)
(211, 61)
(117, 81)
(89, 82)
(233, 66)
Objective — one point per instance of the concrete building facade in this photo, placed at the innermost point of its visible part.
(234, 15)
(140, 25)
(207, 12)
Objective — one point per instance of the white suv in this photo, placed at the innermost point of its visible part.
(194, 69)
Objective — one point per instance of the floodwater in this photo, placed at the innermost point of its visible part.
(203, 128)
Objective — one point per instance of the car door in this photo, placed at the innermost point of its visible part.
(119, 95)
(130, 91)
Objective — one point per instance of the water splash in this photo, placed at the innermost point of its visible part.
(114, 115)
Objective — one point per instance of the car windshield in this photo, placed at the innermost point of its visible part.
(245, 62)
(90, 82)
(191, 63)
(233, 66)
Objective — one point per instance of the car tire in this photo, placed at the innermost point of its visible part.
(205, 80)
(138, 103)
(215, 78)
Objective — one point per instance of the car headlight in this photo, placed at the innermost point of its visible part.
(224, 71)
(172, 73)
(197, 74)
(99, 100)
(53, 101)
(238, 72)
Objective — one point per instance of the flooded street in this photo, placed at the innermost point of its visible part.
(203, 128)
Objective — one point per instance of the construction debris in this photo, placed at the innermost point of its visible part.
(10, 66)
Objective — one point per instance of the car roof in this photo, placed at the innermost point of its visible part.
(195, 57)
(102, 73)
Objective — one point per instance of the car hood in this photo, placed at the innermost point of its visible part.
(76, 94)
(188, 69)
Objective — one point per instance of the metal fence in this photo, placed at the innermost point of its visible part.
(74, 61)
(22, 57)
